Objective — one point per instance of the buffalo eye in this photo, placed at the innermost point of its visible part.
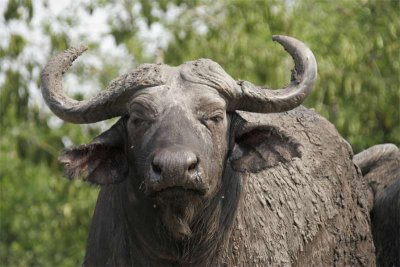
(216, 118)
(213, 119)
(139, 122)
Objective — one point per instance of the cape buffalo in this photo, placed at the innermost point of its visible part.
(195, 174)
(380, 166)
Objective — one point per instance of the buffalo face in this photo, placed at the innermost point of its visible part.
(178, 130)
(177, 145)
(177, 140)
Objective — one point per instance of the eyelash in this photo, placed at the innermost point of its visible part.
(139, 121)
(216, 118)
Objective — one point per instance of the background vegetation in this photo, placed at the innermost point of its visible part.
(45, 218)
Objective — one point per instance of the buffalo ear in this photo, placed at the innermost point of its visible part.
(258, 147)
(102, 161)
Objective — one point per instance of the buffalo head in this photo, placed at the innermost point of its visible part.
(178, 129)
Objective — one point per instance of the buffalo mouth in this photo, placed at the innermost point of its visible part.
(177, 193)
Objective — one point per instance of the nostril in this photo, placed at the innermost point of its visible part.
(192, 166)
(156, 168)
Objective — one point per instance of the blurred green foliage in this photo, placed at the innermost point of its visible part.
(44, 219)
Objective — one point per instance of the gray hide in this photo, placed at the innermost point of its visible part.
(309, 211)
(190, 177)
(380, 166)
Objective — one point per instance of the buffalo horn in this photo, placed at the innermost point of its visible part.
(261, 100)
(108, 103)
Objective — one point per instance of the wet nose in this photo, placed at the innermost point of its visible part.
(174, 162)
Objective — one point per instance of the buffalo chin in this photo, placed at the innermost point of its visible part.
(177, 217)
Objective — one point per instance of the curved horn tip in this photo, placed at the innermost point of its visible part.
(281, 38)
(289, 42)
(299, 52)
(81, 48)
(76, 51)
(278, 37)
(62, 61)
(291, 96)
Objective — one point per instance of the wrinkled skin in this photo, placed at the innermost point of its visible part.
(189, 178)
(178, 144)
(170, 152)
(380, 166)
(289, 195)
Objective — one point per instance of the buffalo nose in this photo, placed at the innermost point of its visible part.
(174, 162)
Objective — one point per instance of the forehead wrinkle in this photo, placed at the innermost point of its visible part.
(146, 101)
(211, 103)
(198, 97)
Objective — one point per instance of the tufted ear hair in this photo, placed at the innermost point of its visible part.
(259, 147)
(102, 161)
